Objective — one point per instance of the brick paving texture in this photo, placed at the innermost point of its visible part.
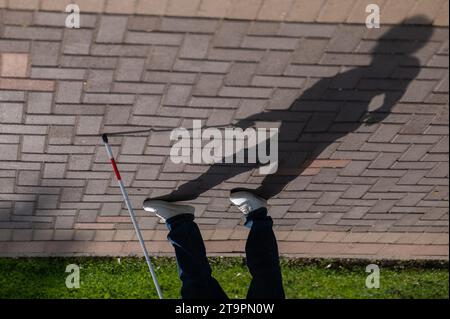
(349, 184)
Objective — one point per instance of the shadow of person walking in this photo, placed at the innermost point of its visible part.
(325, 112)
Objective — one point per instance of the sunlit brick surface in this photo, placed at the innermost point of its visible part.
(378, 190)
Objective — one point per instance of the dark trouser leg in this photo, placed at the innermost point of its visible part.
(262, 257)
(193, 266)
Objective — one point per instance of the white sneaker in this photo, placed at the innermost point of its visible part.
(166, 210)
(247, 202)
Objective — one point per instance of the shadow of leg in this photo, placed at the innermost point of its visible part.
(215, 175)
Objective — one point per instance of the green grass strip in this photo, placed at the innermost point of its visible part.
(129, 278)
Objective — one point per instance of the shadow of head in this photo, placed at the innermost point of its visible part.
(406, 38)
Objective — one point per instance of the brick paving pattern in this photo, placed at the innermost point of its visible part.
(373, 191)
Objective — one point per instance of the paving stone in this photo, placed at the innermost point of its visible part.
(147, 105)
(54, 19)
(97, 186)
(335, 11)
(156, 7)
(306, 30)
(80, 162)
(417, 91)
(384, 161)
(53, 170)
(14, 46)
(88, 62)
(442, 17)
(64, 222)
(21, 18)
(170, 77)
(123, 7)
(99, 81)
(44, 53)
(274, 63)
(24, 5)
(245, 9)
(201, 66)
(57, 73)
(33, 144)
(304, 10)
(346, 38)
(77, 41)
(182, 8)
(275, 10)
(60, 134)
(385, 133)
(109, 99)
(91, 5)
(32, 33)
(240, 74)
(155, 38)
(195, 46)
(162, 58)
(236, 55)
(396, 11)
(415, 153)
(309, 51)
(89, 125)
(188, 25)
(112, 29)
(275, 43)
(312, 71)
(11, 113)
(8, 152)
(14, 65)
(177, 95)
(245, 92)
(345, 59)
(230, 34)
(214, 8)
(130, 69)
(208, 85)
(69, 92)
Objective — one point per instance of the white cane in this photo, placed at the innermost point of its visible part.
(132, 215)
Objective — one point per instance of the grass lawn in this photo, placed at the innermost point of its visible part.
(107, 278)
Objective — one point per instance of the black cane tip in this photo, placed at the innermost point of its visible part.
(105, 138)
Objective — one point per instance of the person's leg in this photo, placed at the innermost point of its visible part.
(261, 248)
(193, 266)
(262, 257)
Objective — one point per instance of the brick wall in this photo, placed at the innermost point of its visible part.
(358, 186)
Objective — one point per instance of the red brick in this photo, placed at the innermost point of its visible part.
(14, 65)
(27, 85)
